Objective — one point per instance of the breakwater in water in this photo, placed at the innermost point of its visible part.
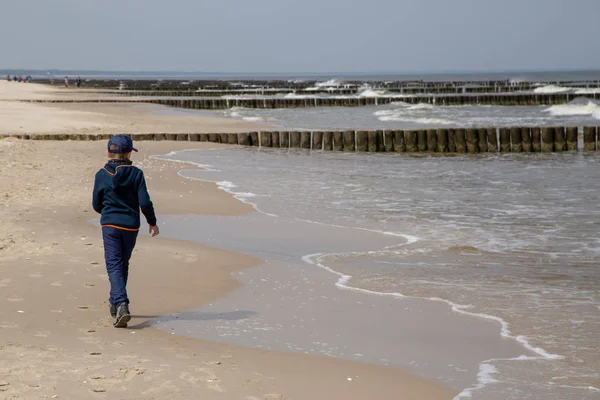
(441, 140)
(212, 103)
(220, 87)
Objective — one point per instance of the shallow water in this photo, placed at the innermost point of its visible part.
(513, 237)
(289, 304)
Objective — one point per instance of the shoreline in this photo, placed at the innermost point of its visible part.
(342, 281)
(538, 351)
(57, 330)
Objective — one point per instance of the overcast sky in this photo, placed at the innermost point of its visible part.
(300, 35)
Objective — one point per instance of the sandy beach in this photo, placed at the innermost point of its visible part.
(56, 337)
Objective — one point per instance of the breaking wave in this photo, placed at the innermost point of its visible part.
(579, 106)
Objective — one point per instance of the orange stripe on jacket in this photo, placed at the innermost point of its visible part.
(116, 169)
(121, 228)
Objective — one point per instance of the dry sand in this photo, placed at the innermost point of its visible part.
(56, 337)
(19, 117)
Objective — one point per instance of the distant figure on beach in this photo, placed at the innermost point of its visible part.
(78, 82)
(8, 78)
(66, 81)
(119, 194)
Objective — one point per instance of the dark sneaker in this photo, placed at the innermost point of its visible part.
(113, 311)
(123, 316)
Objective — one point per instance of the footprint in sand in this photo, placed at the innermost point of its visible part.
(89, 284)
(130, 373)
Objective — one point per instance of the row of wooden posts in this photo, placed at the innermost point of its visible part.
(270, 102)
(405, 86)
(441, 100)
(470, 140)
(336, 91)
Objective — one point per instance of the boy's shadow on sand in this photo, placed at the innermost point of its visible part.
(151, 320)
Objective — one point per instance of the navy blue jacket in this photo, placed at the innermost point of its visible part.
(119, 193)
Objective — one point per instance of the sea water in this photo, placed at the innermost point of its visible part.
(512, 239)
(581, 111)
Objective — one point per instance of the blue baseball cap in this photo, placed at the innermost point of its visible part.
(124, 144)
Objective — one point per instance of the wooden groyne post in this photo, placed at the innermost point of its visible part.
(547, 140)
(590, 138)
(572, 134)
(516, 140)
(455, 140)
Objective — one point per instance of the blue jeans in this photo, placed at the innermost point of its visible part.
(118, 246)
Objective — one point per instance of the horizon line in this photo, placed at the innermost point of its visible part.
(266, 73)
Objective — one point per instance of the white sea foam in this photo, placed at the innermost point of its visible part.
(226, 186)
(245, 194)
(409, 238)
(484, 378)
(331, 84)
(300, 96)
(368, 91)
(401, 104)
(235, 112)
(384, 113)
(241, 113)
(364, 92)
(205, 167)
(421, 106)
(589, 388)
(549, 89)
(575, 108)
(587, 91)
(417, 120)
(418, 113)
(252, 119)
(372, 93)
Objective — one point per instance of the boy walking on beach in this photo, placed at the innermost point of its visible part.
(119, 194)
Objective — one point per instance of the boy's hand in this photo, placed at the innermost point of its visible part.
(154, 230)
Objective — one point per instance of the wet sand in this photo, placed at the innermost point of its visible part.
(426, 337)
